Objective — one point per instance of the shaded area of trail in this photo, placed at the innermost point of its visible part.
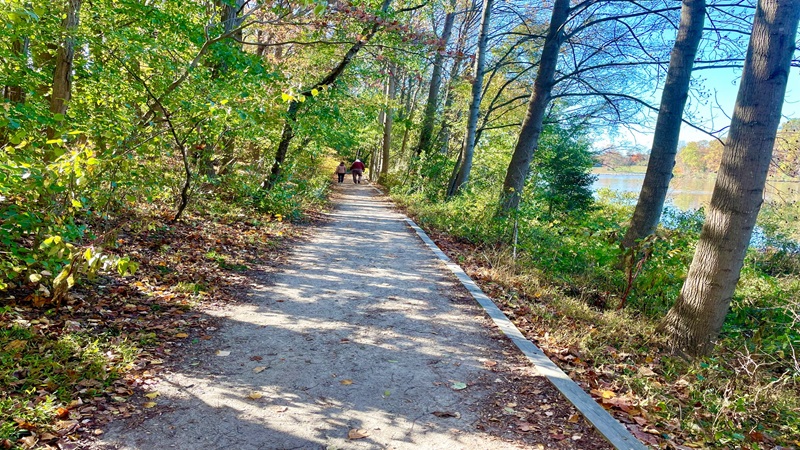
(359, 335)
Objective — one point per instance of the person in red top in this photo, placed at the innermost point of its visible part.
(357, 169)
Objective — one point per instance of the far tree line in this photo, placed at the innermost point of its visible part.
(704, 157)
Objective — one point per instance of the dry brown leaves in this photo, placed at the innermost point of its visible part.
(183, 266)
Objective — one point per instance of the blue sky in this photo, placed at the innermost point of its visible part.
(713, 113)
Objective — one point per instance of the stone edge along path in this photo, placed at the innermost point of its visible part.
(616, 434)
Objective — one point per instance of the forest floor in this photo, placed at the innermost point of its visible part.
(361, 339)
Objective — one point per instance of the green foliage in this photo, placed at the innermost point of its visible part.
(561, 179)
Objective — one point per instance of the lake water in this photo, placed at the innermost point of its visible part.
(687, 193)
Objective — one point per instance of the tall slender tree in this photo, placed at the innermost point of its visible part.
(474, 106)
(668, 125)
(388, 118)
(696, 319)
(531, 129)
(62, 74)
(429, 116)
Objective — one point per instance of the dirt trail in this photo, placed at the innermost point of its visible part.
(362, 330)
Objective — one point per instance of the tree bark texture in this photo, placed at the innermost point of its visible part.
(528, 140)
(474, 107)
(62, 74)
(696, 319)
(426, 130)
(668, 125)
(388, 120)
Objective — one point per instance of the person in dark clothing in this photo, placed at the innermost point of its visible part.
(341, 170)
(357, 169)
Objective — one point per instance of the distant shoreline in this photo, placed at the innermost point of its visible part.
(640, 170)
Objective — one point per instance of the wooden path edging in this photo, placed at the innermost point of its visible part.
(610, 428)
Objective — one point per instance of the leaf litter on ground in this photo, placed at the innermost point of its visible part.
(199, 262)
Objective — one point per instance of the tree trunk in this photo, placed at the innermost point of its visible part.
(62, 74)
(388, 120)
(231, 19)
(283, 147)
(668, 126)
(696, 319)
(16, 94)
(288, 133)
(426, 131)
(531, 128)
(474, 106)
(445, 132)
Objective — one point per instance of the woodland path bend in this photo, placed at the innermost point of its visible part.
(359, 330)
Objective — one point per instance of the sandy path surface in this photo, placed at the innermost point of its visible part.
(358, 332)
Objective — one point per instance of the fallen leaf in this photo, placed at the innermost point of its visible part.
(256, 358)
(525, 426)
(15, 345)
(446, 414)
(490, 363)
(346, 382)
(150, 405)
(457, 386)
(357, 434)
(574, 418)
(152, 395)
(62, 413)
(181, 335)
(646, 372)
(223, 353)
(259, 369)
(255, 395)
(754, 436)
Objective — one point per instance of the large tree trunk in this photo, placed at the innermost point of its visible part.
(62, 74)
(426, 131)
(288, 132)
(388, 120)
(474, 107)
(668, 126)
(531, 128)
(696, 319)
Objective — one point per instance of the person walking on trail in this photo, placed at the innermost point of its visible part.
(357, 169)
(341, 170)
